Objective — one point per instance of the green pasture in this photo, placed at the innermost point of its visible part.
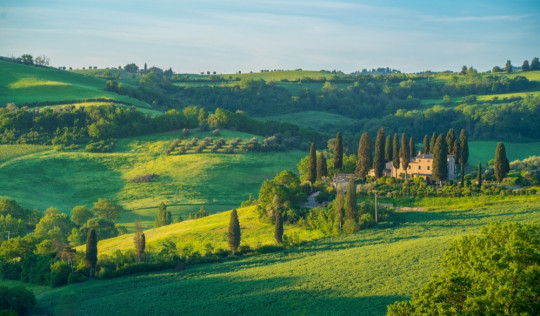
(312, 119)
(39, 177)
(25, 84)
(484, 151)
(345, 275)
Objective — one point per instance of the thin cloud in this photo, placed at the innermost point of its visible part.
(492, 18)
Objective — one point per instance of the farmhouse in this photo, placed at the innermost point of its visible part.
(341, 180)
(419, 166)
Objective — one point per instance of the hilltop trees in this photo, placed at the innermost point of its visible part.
(535, 65)
(501, 166)
(338, 153)
(131, 68)
(440, 166)
(404, 156)
(525, 66)
(234, 234)
(91, 251)
(378, 159)
(508, 67)
(364, 161)
(312, 169)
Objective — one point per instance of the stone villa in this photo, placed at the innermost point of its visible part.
(419, 166)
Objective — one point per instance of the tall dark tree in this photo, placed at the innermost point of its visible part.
(338, 153)
(312, 169)
(479, 176)
(234, 234)
(432, 142)
(278, 229)
(164, 217)
(388, 154)
(502, 165)
(91, 251)
(363, 164)
(425, 145)
(404, 156)
(350, 201)
(412, 148)
(457, 151)
(395, 153)
(450, 138)
(508, 67)
(378, 158)
(464, 155)
(339, 208)
(525, 66)
(139, 240)
(321, 166)
(535, 65)
(440, 166)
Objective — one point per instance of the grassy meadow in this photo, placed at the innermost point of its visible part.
(25, 84)
(39, 177)
(484, 151)
(312, 119)
(351, 274)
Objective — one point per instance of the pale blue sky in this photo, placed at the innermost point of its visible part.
(226, 36)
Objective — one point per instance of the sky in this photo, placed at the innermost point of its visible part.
(231, 36)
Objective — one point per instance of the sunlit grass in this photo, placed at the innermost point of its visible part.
(484, 151)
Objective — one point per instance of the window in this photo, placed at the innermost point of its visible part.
(427, 167)
(419, 167)
(409, 167)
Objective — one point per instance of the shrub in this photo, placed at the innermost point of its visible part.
(145, 178)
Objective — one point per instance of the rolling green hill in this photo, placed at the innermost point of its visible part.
(351, 274)
(39, 177)
(21, 84)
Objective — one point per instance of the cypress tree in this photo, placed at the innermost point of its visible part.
(164, 216)
(404, 154)
(278, 230)
(338, 153)
(91, 251)
(234, 234)
(395, 153)
(525, 66)
(450, 138)
(479, 175)
(363, 164)
(388, 149)
(535, 65)
(339, 209)
(312, 170)
(501, 166)
(321, 166)
(508, 67)
(425, 148)
(464, 155)
(350, 202)
(440, 166)
(139, 240)
(412, 148)
(432, 142)
(378, 159)
(457, 151)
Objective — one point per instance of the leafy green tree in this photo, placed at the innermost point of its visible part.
(278, 230)
(312, 170)
(27, 59)
(535, 65)
(91, 251)
(525, 66)
(139, 240)
(388, 154)
(404, 156)
(479, 175)
(14, 226)
(108, 209)
(494, 273)
(463, 70)
(412, 148)
(164, 217)
(131, 68)
(502, 165)
(464, 154)
(508, 67)
(440, 165)
(16, 300)
(378, 158)
(338, 153)
(339, 208)
(425, 145)
(54, 226)
(234, 234)
(395, 152)
(11, 207)
(351, 213)
(321, 166)
(80, 215)
(450, 138)
(432, 142)
(364, 162)
(496, 69)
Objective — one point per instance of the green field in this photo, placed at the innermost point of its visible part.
(484, 151)
(351, 274)
(25, 84)
(312, 119)
(42, 177)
